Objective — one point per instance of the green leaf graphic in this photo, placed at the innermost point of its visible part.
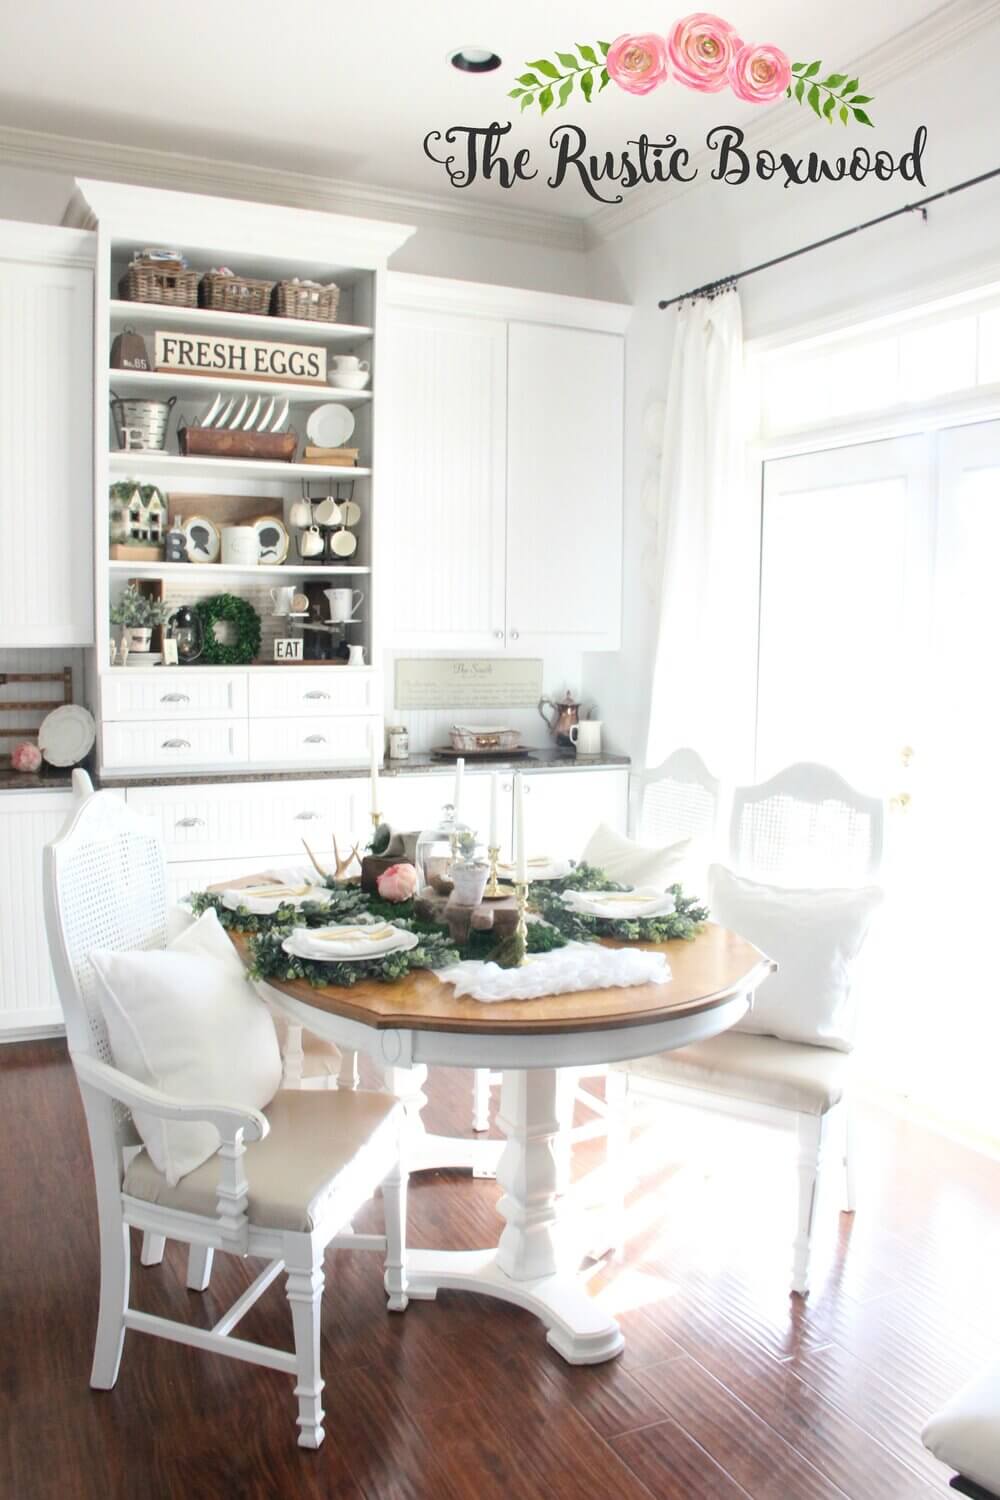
(811, 71)
(797, 67)
(545, 99)
(860, 99)
(861, 117)
(587, 53)
(850, 87)
(530, 80)
(813, 100)
(565, 89)
(829, 107)
(544, 66)
(834, 81)
(528, 99)
(568, 60)
(587, 86)
(800, 89)
(605, 47)
(845, 113)
(605, 79)
(516, 93)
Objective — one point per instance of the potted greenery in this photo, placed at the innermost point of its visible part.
(469, 871)
(138, 613)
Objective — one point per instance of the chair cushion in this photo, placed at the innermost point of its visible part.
(316, 1137)
(634, 864)
(965, 1433)
(762, 1069)
(185, 1020)
(815, 937)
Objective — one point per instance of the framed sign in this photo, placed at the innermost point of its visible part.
(288, 650)
(245, 359)
(468, 682)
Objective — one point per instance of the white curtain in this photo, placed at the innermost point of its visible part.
(702, 687)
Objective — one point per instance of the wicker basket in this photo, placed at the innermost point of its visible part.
(317, 303)
(242, 294)
(484, 741)
(150, 284)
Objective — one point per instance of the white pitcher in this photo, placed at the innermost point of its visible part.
(343, 603)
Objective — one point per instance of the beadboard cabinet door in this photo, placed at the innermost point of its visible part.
(564, 488)
(46, 448)
(446, 421)
(28, 998)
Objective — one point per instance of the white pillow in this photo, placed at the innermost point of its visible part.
(630, 863)
(814, 936)
(185, 1019)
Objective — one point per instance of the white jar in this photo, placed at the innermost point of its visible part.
(399, 742)
(240, 547)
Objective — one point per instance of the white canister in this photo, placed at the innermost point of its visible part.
(399, 742)
(240, 547)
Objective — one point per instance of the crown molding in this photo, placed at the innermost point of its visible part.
(478, 299)
(937, 35)
(41, 151)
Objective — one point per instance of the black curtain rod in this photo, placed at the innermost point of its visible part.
(711, 287)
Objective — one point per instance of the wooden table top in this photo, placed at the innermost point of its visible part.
(707, 972)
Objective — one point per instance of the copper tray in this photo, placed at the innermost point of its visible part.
(448, 752)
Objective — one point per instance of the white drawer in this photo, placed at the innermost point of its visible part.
(174, 742)
(242, 820)
(315, 741)
(299, 691)
(187, 694)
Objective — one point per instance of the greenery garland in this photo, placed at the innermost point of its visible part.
(268, 960)
(685, 921)
(247, 623)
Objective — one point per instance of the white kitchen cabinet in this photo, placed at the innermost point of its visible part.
(254, 820)
(187, 694)
(565, 421)
(447, 419)
(174, 743)
(562, 809)
(506, 415)
(411, 803)
(28, 998)
(46, 453)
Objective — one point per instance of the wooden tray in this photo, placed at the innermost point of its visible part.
(448, 752)
(206, 442)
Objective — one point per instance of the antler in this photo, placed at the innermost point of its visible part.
(343, 864)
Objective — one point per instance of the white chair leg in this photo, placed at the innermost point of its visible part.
(481, 1099)
(394, 1205)
(304, 1290)
(811, 1130)
(153, 1246)
(199, 1273)
(115, 1263)
(618, 1100)
(850, 1185)
(348, 1077)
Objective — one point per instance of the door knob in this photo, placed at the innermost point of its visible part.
(175, 698)
(190, 823)
(315, 739)
(498, 634)
(176, 745)
(514, 635)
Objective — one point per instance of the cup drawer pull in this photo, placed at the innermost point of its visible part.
(314, 739)
(190, 823)
(316, 693)
(306, 817)
(176, 745)
(175, 698)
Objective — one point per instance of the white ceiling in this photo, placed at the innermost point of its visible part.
(349, 92)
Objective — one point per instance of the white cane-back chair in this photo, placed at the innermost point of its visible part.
(283, 1182)
(678, 799)
(804, 827)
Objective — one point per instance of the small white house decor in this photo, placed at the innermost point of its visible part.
(138, 514)
(246, 359)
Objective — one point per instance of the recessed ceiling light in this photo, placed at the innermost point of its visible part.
(474, 60)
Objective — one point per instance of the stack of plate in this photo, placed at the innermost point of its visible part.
(144, 659)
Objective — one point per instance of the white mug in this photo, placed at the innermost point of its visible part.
(349, 362)
(586, 736)
(355, 656)
(283, 599)
(300, 513)
(327, 512)
(240, 547)
(343, 603)
(311, 542)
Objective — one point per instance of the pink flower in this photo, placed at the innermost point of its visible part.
(759, 73)
(638, 64)
(701, 49)
(398, 883)
(25, 757)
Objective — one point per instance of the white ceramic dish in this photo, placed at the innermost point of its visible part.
(347, 943)
(66, 735)
(544, 867)
(264, 900)
(350, 380)
(330, 425)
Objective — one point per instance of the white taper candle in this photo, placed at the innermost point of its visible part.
(520, 847)
(373, 770)
(494, 783)
(459, 774)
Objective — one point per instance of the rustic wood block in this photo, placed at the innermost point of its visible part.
(372, 866)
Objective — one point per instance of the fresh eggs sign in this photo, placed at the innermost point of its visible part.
(248, 359)
(701, 52)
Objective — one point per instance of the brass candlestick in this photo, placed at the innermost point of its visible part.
(521, 894)
(493, 885)
(376, 823)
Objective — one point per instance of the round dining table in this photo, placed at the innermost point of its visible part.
(418, 1020)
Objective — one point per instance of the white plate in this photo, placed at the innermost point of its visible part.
(621, 906)
(541, 868)
(330, 425)
(202, 538)
(263, 902)
(339, 944)
(66, 735)
(273, 539)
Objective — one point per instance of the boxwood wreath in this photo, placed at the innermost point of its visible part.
(246, 621)
(348, 903)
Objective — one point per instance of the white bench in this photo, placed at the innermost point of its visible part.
(965, 1435)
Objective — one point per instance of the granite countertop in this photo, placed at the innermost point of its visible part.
(417, 765)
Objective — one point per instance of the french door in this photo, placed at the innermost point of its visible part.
(878, 644)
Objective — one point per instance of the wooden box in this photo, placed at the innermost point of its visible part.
(206, 442)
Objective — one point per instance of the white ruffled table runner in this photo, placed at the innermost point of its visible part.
(578, 966)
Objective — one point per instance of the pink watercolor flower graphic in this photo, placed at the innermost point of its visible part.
(701, 49)
(638, 64)
(759, 73)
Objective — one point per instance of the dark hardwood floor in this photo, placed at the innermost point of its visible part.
(728, 1388)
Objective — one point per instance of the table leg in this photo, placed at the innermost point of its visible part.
(426, 1152)
(526, 1267)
